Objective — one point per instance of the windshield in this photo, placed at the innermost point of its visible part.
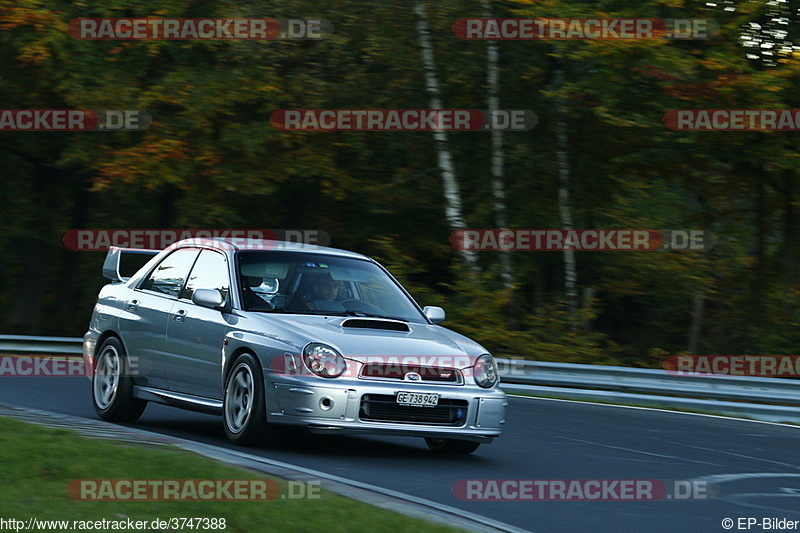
(291, 282)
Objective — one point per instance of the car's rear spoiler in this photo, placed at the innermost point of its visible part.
(113, 257)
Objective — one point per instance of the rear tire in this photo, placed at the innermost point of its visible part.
(112, 385)
(244, 408)
(452, 446)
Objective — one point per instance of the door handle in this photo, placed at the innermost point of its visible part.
(179, 316)
(133, 305)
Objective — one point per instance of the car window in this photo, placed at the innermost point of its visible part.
(169, 275)
(294, 282)
(209, 272)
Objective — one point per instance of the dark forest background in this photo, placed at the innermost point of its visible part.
(211, 159)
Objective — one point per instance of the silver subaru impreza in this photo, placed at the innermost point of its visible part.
(269, 333)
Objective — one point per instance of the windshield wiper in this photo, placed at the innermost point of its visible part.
(315, 312)
(279, 310)
(347, 312)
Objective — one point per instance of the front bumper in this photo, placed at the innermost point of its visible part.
(342, 405)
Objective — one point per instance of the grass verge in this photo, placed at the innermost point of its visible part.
(38, 463)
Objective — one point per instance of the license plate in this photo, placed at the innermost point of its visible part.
(416, 399)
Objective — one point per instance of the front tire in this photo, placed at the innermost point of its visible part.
(112, 385)
(244, 409)
(452, 446)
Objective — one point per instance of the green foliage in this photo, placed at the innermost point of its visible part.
(212, 159)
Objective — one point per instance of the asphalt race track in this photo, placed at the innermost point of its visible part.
(755, 466)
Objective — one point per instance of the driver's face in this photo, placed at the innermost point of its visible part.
(328, 290)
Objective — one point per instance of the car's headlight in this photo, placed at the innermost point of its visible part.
(323, 360)
(485, 371)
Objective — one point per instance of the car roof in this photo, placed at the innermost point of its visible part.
(243, 244)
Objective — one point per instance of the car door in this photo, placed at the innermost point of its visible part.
(195, 334)
(143, 323)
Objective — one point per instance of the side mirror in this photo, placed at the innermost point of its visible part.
(208, 298)
(434, 314)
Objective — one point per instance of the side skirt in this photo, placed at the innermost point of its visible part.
(177, 399)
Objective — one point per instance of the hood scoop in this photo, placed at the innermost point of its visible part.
(373, 323)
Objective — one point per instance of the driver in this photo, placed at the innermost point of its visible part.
(327, 289)
(324, 293)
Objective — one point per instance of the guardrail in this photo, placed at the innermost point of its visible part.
(764, 398)
(41, 345)
(768, 399)
(650, 381)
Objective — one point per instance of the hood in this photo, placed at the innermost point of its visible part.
(367, 339)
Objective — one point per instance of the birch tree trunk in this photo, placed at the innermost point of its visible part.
(789, 251)
(452, 195)
(698, 308)
(759, 280)
(565, 210)
(498, 174)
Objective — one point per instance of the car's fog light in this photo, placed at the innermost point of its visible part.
(326, 404)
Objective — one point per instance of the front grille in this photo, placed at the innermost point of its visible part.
(399, 371)
(381, 407)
